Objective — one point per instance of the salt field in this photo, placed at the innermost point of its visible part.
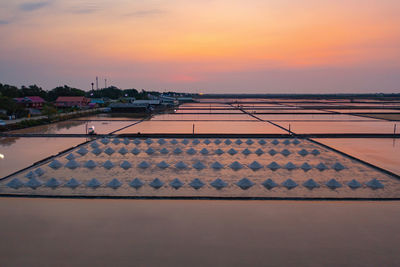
(222, 166)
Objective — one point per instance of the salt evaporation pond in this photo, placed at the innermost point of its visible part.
(232, 168)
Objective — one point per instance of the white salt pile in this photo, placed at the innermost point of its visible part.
(196, 183)
(70, 156)
(176, 183)
(218, 184)
(181, 165)
(374, 184)
(174, 142)
(136, 183)
(306, 167)
(333, 184)
(236, 166)
(15, 183)
(262, 142)
(82, 151)
(198, 166)
(114, 183)
(105, 141)
(94, 183)
(30, 174)
(289, 184)
(315, 152)
(217, 141)
(290, 166)
(148, 141)
(39, 171)
(296, 141)
(109, 151)
(227, 142)
(204, 151)
(269, 184)
(178, 151)
(116, 141)
(90, 164)
(321, 167)
(217, 166)
(150, 151)
(303, 152)
(123, 151)
(246, 152)
(238, 142)
(273, 166)
(272, 152)
(135, 151)
(191, 151)
(53, 183)
(97, 151)
(286, 142)
(219, 151)
(33, 183)
(156, 183)
(245, 183)
(259, 152)
(338, 167)
(353, 184)
(144, 165)
(108, 165)
(185, 141)
(255, 166)
(72, 164)
(164, 151)
(161, 141)
(310, 184)
(73, 183)
(285, 152)
(232, 151)
(55, 164)
(162, 165)
(249, 142)
(94, 144)
(125, 165)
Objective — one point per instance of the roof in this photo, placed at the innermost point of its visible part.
(97, 100)
(70, 99)
(34, 99)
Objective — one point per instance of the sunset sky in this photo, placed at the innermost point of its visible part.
(210, 46)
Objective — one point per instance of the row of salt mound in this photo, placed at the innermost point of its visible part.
(218, 183)
(191, 151)
(149, 141)
(90, 164)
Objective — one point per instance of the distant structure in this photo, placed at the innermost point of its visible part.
(97, 83)
(72, 101)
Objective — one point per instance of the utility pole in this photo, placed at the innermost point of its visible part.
(105, 83)
(97, 83)
(92, 85)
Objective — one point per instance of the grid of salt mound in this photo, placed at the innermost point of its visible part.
(206, 167)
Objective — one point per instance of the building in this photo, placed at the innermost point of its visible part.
(72, 101)
(35, 102)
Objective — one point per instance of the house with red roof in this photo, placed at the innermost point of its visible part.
(35, 102)
(72, 101)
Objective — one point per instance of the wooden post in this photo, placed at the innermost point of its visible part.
(193, 128)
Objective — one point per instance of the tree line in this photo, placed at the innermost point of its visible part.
(111, 92)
